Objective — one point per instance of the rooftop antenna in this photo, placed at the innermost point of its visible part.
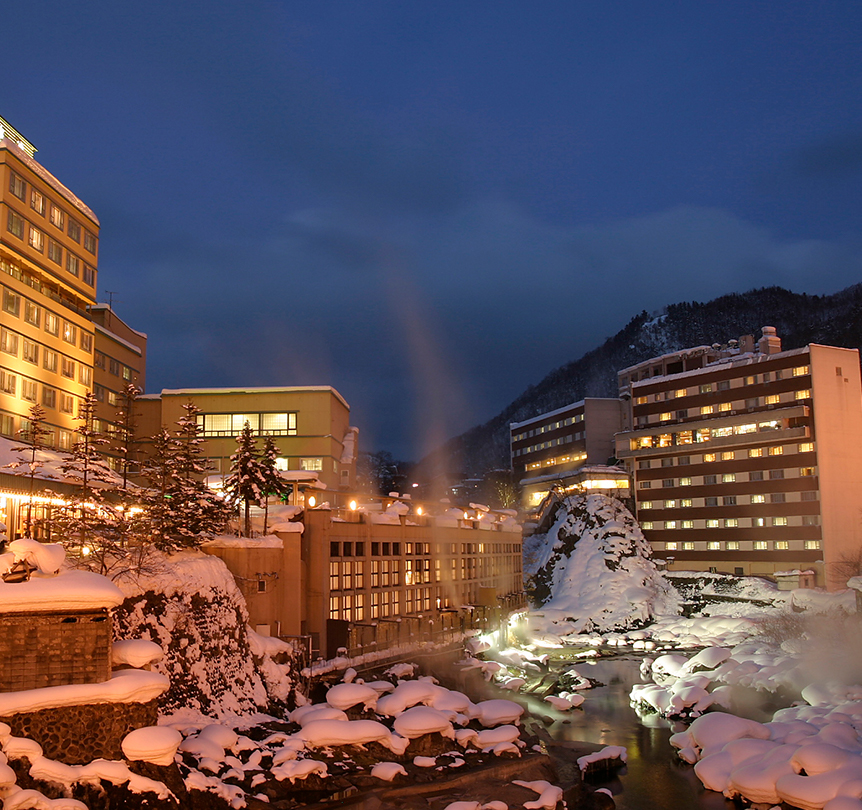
(110, 294)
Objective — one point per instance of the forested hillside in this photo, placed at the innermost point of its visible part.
(800, 319)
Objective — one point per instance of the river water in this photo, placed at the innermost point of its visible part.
(654, 778)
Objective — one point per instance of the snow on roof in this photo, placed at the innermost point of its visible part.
(595, 469)
(348, 453)
(231, 541)
(108, 308)
(547, 414)
(278, 389)
(125, 686)
(70, 590)
(115, 337)
(49, 459)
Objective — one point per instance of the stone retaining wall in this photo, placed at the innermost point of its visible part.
(79, 734)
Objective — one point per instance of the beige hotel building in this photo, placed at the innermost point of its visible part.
(746, 459)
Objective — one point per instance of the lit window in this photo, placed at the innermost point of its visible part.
(647, 524)
(37, 201)
(760, 545)
(724, 407)
(758, 499)
(37, 239)
(31, 313)
(57, 217)
(87, 342)
(805, 393)
(805, 472)
(712, 523)
(685, 482)
(680, 392)
(688, 545)
(759, 522)
(706, 410)
(670, 524)
(727, 455)
(73, 264)
(812, 544)
(776, 451)
(728, 478)
(685, 503)
(50, 360)
(709, 457)
(755, 452)
(9, 342)
(67, 368)
(801, 371)
(28, 390)
(646, 505)
(706, 388)
(311, 464)
(771, 399)
(732, 545)
(806, 447)
(779, 521)
(665, 417)
(31, 352)
(782, 545)
(671, 504)
(713, 545)
(752, 380)
(731, 523)
(743, 429)
(70, 333)
(85, 375)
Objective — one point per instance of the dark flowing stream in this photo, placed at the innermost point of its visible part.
(653, 777)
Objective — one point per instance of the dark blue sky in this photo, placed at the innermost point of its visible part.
(430, 206)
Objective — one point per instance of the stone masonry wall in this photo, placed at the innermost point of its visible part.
(79, 734)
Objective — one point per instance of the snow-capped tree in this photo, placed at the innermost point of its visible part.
(246, 483)
(273, 483)
(35, 434)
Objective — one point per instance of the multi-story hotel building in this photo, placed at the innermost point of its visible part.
(49, 245)
(746, 458)
(562, 448)
(310, 426)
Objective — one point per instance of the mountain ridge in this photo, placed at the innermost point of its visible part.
(799, 318)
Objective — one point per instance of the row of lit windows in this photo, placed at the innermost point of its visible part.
(15, 385)
(684, 437)
(729, 478)
(730, 455)
(231, 424)
(552, 462)
(569, 420)
(16, 345)
(112, 366)
(729, 407)
(724, 385)
(731, 523)
(740, 545)
(572, 437)
(728, 500)
(56, 215)
(58, 437)
(53, 324)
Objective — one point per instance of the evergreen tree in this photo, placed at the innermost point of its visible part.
(273, 483)
(34, 433)
(124, 432)
(246, 484)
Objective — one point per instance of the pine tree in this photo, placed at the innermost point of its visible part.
(246, 485)
(34, 433)
(273, 483)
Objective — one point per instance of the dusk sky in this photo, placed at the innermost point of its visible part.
(429, 206)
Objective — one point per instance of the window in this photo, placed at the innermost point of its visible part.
(73, 264)
(728, 478)
(803, 394)
(810, 520)
(670, 524)
(755, 475)
(683, 460)
(755, 452)
(709, 457)
(779, 521)
(666, 416)
(685, 503)
(729, 500)
(15, 224)
(688, 545)
(31, 352)
(667, 462)
(32, 313)
(680, 392)
(11, 303)
(57, 217)
(732, 545)
(777, 497)
(70, 333)
(74, 229)
(706, 410)
(67, 368)
(758, 522)
(774, 475)
(643, 465)
(758, 499)
(776, 451)
(812, 544)
(311, 464)
(37, 239)
(724, 385)
(752, 380)
(29, 390)
(705, 388)
(55, 252)
(810, 495)
(752, 403)
(645, 484)
(806, 472)
(782, 545)
(646, 505)
(671, 504)
(801, 371)
(49, 397)
(667, 482)
(710, 480)
(760, 545)
(647, 525)
(713, 545)
(99, 360)
(127, 374)
(8, 342)
(86, 341)
(17, 186)
(37, 201)
(52, 324)
(806, 447)
(688, 524)
(89, 242)
(728, 455)
(731, 523)
(771, 399)
(85, 375)
(685, 482)
(89, 276)
(100, 393)
(724, 407)
(712, 523)
(710, 500)
(50, 360)
(672, 546)
(8, 382)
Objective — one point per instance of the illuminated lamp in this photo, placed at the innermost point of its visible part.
(352, 506)
(418, 510)
(312, 501)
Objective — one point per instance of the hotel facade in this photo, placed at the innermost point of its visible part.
(746, 459)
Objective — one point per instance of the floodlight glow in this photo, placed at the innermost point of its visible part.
(353, 506)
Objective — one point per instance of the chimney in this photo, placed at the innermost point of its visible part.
(746, 344)
(770, 343)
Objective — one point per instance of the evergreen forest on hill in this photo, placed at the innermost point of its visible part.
(799, 318)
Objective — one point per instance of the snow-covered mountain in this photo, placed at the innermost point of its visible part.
(800, 319)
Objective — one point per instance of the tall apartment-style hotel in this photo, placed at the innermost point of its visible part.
(49, 247)
(746, 458)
